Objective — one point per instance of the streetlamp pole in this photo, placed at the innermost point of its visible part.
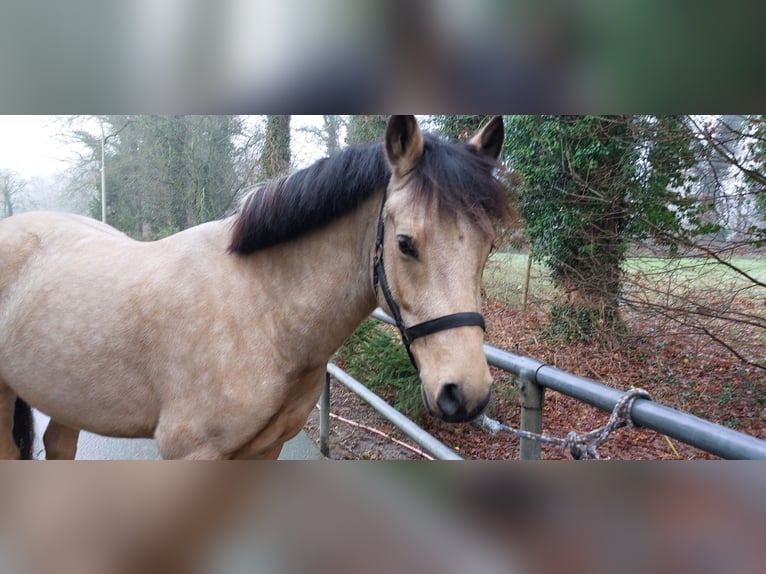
(103, 175)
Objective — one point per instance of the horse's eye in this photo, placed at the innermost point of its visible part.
(406, 245)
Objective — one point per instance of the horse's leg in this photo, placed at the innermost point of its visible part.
(272, 454)
(8, 448)
(172, 445)
(178, 442)
(60, 441)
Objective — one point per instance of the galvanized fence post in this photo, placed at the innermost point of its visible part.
(324, 418)
(532, 397)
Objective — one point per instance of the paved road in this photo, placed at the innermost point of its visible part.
(95, 447)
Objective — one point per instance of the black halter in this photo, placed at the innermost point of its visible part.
(409, 334)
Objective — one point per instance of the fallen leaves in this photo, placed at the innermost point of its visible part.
(680, 371)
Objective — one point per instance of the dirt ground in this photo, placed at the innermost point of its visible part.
(689, 375)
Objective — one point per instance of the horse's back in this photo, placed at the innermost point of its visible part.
(27, 235)
(50, 224)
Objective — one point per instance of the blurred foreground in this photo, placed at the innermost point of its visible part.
(288, 56)
(122, 517)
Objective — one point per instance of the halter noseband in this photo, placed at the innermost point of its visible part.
(409, 334)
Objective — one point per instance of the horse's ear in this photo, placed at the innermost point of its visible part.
(404, 144)
(489, 139)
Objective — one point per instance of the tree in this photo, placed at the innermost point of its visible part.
(734, 173)
(460, 128)
(755, 175)
(710, 291)
(366, 129)
(164, 173)
(328, 135)
(275, 157)
(332, 125)
(589, 185)
(11, 185)
(714, 170)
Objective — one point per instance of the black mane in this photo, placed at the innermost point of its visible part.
(455, 175)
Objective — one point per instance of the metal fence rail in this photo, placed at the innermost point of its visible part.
(433, 446)
(535, 377)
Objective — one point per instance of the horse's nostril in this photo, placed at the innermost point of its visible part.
(451, 400)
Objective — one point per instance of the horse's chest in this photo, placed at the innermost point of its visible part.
(298, 397)
(246, 417)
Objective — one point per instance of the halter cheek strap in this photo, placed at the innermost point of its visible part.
(409, 334)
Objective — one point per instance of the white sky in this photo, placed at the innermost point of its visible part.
(32, 145)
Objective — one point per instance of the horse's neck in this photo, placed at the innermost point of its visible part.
(323, 280)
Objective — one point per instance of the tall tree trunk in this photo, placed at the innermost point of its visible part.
(9, 184)
(332, 131)
(7, 203)
(275, 158)
(366, 129)
(178, 174)
(592, 279)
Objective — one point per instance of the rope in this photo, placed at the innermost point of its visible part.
(583, 445)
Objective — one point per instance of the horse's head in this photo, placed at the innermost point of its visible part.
(434, 239)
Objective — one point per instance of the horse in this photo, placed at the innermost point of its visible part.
(214, 341)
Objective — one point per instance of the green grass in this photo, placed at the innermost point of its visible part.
(701, 272)
(505, 273)
(375, 356)
(504, 278)
(693, 281)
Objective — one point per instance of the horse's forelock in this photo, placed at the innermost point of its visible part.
(461, 181)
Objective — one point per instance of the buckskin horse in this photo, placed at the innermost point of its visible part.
(214, 340)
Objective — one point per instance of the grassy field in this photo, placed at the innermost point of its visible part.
(706, 272)
(505, 275)
(695, 337)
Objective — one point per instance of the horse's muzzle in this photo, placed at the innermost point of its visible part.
(452, 404)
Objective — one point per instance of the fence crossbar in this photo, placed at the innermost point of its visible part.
(428, 442)
(694, 431)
